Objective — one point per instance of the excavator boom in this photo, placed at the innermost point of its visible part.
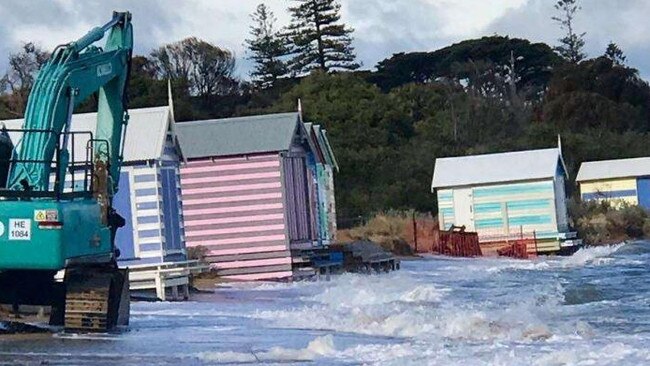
(74, 72)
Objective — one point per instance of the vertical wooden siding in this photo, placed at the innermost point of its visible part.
(172, 214)
(313, 204)
(171, 206)
(562, 211)
(323, 214)
(643, 192)
(331, 203)
(234, 208)
(297, 191)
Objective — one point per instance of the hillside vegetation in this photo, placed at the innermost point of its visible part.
(389, 124)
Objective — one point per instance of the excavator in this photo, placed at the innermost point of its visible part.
(57, 236)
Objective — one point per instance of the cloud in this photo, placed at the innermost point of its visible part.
(50, 23)
(382, 27)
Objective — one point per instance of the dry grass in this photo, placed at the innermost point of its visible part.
(387, 229)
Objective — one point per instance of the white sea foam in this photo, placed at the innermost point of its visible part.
(600, 255)
(609, 354)
(318, 348)
(353, 291)
(415, 310)
(398, 306)
(229, 357)
(381, 354)
(442, 312)
(591, 256)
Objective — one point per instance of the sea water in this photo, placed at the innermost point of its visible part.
(592, 308)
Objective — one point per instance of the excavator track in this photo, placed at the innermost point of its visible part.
(96, 299)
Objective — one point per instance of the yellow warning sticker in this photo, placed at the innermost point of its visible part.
(40, 215)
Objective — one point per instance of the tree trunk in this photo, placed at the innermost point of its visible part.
(319, 39)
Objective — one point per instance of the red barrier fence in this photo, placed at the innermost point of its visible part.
(523, 248)
(424, 236)
(422, 233)
(457, 243)
(518, 249)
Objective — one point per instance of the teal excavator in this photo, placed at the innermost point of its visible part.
(56, 214)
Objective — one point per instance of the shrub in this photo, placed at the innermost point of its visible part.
(605, 222)
(646, 228)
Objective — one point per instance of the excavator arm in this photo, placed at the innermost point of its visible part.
(73, 73)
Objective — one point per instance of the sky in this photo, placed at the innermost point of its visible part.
(382, 27)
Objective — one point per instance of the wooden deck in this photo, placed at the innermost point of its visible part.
(171, 281)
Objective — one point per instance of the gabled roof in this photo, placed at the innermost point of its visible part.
(496, 168)
(327, 149)
(317, 147)
(611, 169)
(321, 144)
(237, 136)
(145, 134)
(319, 137)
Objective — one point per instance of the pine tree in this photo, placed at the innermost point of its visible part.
(572, 44)
(267, 47)
(614, 53)
(319, 40)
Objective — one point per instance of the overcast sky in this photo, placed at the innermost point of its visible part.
(383, 27)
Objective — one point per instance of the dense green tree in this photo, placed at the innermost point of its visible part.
(614, 53)
(267, 48)
(18, 80)
(572, 44)
(534, 64)
(145, 89)
(206, 69)
(319, 40)
(598, 94)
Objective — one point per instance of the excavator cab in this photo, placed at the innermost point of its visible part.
(6, 150)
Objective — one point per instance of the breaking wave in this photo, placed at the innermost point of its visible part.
(396, 307)
(597, 255)
(437, 311)
(317, 348)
